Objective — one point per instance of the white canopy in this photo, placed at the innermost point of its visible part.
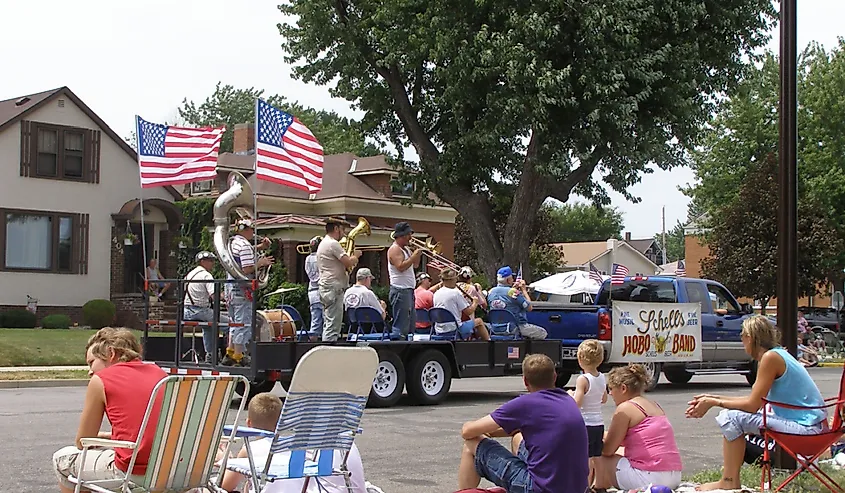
(568, 283)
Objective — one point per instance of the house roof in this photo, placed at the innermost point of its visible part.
(302, 220)
(641, 245)
(15, 109)
(370, 165)
(583, 252)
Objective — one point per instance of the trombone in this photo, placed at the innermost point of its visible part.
(305, 248)
(432, 250)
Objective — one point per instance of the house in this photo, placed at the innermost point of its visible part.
(353, 187)
(70, 192)
(648, 247)
(603, 254)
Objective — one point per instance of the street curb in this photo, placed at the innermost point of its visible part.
(831, 365)
(32, 384)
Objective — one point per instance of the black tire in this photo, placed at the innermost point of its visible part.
(751, 376)
(677, 375)
(255, 388)
(654, 370)
(562, 378)
(429, 378)
(389, 381)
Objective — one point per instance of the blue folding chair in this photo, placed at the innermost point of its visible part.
(443, 316)
(423, 317)
(298, 322)
(500, 317)
(352, 324)
(369, 319)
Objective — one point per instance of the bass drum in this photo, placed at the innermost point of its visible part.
(275, 325)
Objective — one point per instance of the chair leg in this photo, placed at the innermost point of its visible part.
(305, 484)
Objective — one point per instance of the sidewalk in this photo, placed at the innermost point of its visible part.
(41, 368)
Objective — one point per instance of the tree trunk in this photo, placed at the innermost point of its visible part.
(478, 217)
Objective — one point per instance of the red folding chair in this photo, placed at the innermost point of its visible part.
(805, 449)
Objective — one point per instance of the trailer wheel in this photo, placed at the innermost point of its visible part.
(389, 381)
(677, 375)
(255, 388)
(429, 378)
(653, 372)
(751, 376)
(562, 378)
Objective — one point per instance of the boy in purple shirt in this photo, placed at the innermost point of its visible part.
(549, 445)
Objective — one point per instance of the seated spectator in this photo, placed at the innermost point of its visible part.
(473, 289)
(513, 296)
(780, 378)
(263, 413)
(455, 301)
(639, 425)
(361, 295)
(549, 439)
(199, 300)
(424, 296)
(157, 287)
(120, 388)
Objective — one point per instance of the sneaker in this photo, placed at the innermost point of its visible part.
(208, 358)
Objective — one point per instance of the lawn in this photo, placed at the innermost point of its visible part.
(47, 347)
(750, 476)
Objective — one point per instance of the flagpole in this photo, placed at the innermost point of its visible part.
(141, 202)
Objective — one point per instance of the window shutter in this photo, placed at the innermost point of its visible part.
(80, 239)
(27, 147)
(92, 143)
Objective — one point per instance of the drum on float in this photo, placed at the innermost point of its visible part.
(275, 325)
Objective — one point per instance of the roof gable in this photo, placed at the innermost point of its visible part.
(15, 109)
(583, 252)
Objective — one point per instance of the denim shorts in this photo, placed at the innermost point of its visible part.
(498, 465)
(735, 424)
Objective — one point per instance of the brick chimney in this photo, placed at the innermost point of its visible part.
(244, 138)
(627, 233)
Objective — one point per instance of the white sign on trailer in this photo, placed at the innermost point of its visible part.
(655, 332)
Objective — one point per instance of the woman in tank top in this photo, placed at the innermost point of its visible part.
(640, 427)
(780, 378)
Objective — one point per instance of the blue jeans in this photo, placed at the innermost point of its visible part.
(316, 319)
(735, 424)
(206, 314)
(498, 465)
(240, 311)
(402, 308)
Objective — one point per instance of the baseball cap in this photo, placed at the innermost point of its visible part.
(422, 276)
(504, 272)
(242, 224)
(466, 272)
(205, 255)
(363, 273)
(315, 241)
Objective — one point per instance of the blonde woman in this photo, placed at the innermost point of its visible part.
(641, 427)
(780, 378)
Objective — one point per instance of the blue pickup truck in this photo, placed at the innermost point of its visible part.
(721, 322)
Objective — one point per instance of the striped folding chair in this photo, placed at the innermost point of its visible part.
(319, 419)
(186, 437)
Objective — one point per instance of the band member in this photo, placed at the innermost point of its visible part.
(198, 300)
(239, 296)
(513, 296)
(314, 302)
(157, 287)
(332, 263)
(451, 298)
(466, 285)
(361, 293)
(424, 296)
(400, 268)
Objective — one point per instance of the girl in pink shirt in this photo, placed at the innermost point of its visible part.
(640, 426)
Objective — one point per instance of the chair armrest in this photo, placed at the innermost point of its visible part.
(247, 432)
(799, 408)
(106, 443)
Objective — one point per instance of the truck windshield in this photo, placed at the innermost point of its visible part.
(643, 291)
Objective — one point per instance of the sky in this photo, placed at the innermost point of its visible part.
(125, 58)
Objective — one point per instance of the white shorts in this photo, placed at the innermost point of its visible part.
(99, 466)
(629, 478)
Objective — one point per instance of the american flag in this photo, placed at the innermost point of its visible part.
(286, 152)
(169, 155)
(681, 269)
(595, 274)
(513, 352)
(619, 273)
(519, 273)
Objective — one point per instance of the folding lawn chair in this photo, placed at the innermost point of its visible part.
(321, 415)
(805, 449)
(187, 434)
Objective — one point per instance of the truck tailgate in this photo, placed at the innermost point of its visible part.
(569, 322)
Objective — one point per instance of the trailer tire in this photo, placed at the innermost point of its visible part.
(751, 376)
(562, 378)
(429, 378)
(255, 388)
(653, 371)
(677, 375)
(389, 381)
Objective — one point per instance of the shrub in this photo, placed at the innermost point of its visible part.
(98, 313)
(297, 299)
(19, 319)
(56, 321)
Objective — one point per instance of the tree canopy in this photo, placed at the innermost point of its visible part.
(536, 95)
(675, 246)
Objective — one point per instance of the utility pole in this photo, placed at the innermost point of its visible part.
(664, 235)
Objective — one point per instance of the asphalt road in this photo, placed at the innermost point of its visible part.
(405, 449)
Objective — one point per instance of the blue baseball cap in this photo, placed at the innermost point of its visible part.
(505, 271)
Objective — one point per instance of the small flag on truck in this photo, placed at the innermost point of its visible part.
(513, 352)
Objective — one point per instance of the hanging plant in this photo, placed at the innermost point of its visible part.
(182, 242)
(130, 239)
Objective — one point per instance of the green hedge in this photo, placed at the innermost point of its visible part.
(18, 319)
(98, 313)
(56, 321)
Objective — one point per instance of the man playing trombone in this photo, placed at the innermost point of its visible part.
(401, 263)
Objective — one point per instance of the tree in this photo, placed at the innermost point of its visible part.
(536, 95)
(584, 222)
(229, 106)
(675, 246)
(743, 240)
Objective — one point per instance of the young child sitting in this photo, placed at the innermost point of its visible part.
(263, 413)
(590, 393)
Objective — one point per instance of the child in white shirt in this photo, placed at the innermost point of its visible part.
(590, 393)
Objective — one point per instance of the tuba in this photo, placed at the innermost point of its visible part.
(238, 197)
(348, 241)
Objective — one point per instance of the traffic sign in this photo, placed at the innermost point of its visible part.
(838, 301)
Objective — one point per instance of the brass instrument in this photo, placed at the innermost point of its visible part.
(432, 251)
(348, 241)
(304, 249)
(238, 197)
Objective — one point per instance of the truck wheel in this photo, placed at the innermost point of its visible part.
(677, 375)
(255, 388)
(389, 381)
(429, 378)
(562, 379)
(751, 376)
(653, 372)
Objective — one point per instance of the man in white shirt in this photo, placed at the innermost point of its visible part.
(198, 301)
(314, 303)
(361, 294)
(400, 267)
(452, 299)
(333, 264)
(239, 296)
